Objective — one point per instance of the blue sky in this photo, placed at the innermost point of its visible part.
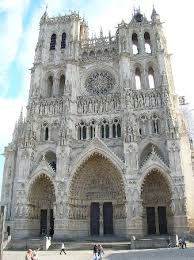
(19, 23)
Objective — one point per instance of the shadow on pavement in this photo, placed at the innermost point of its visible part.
(117, 256)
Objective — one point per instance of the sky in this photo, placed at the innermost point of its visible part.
(19, 28)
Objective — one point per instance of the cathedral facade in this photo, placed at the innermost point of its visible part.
(104, 148)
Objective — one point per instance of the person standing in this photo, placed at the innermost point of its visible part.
(95, 251)
(34, 255)
(63, 249)
(29, 255)
(100, 252)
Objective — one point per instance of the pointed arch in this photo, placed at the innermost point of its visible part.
(36, 176)
(156, 168)
(102, 151)
(148, 149)
(95, 177)
(41, 200)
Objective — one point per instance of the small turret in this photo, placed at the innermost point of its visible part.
(101, 32)
(44, 17)
(155, 16)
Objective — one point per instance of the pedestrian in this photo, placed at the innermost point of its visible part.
(34, 255)
(184, 242)
(100, 252)
(28, 254)
(63, 249)
(180, 243)
(95, 250)
(169, 242)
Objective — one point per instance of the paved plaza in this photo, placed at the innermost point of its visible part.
(156, 254)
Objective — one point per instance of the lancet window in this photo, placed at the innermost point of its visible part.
(135, 43)
(45, 133)
(61, 85)
(92, 130)
(63, 41)
(82, 131)
(116, 129)
(147, 42)
(50, 86)
(53, 42)
(151, 77)
(143, 125)
(104, 129)
(138, 78)
(155, 124)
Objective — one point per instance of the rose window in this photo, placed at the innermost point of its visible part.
(100, 82)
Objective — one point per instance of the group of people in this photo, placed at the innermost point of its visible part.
(31, 255)
(98, 252)
(182, 243)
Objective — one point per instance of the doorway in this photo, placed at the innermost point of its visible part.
(162, 221)
(151, 224)
(156, 223)
(43, 222)
(95, 218)
(46, 222)
(108, 218)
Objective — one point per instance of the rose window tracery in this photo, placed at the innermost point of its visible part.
(100, 82)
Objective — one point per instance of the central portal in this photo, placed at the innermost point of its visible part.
(97, 199)
(96, 221)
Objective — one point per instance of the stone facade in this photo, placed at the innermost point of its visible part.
(104, 148)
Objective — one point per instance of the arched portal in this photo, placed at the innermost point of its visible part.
(97, 199)
(156, 198)
(41, 202)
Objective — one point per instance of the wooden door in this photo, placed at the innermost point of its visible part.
(108, 218)
(94, 218)
(151, 224)
(43, 222)
(162, 221)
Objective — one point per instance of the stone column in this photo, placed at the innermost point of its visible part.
(48, 221)
(156, 221)
(101, 220)
(2, 223)
(56, 87)
(141, 44)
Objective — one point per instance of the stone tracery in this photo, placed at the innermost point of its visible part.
(100, 82)
(41, 196)
(97, 180)
(156, 192)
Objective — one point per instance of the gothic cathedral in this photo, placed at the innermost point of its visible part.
(104, 148)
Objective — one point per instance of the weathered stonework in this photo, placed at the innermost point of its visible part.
(99, 153)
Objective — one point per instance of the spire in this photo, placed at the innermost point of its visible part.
(44, 17)
(164, 81)
(101, 32)
(20, 121)
(155, 16)
(109, 35)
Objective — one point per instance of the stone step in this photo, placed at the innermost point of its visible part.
(23, 244)
(153, 242)
(56, 246)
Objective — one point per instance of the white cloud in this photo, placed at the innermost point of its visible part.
(10, 36)
(9, 115)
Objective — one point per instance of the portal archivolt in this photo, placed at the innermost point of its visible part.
(41, 201)
(156, 196)
(97, 181)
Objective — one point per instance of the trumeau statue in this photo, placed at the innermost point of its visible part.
(102, 119)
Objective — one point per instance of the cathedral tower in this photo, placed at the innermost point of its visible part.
(104, 148)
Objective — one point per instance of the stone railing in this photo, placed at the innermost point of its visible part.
(49, 106)
(98, 104)
(142, 99)
(102, 42)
